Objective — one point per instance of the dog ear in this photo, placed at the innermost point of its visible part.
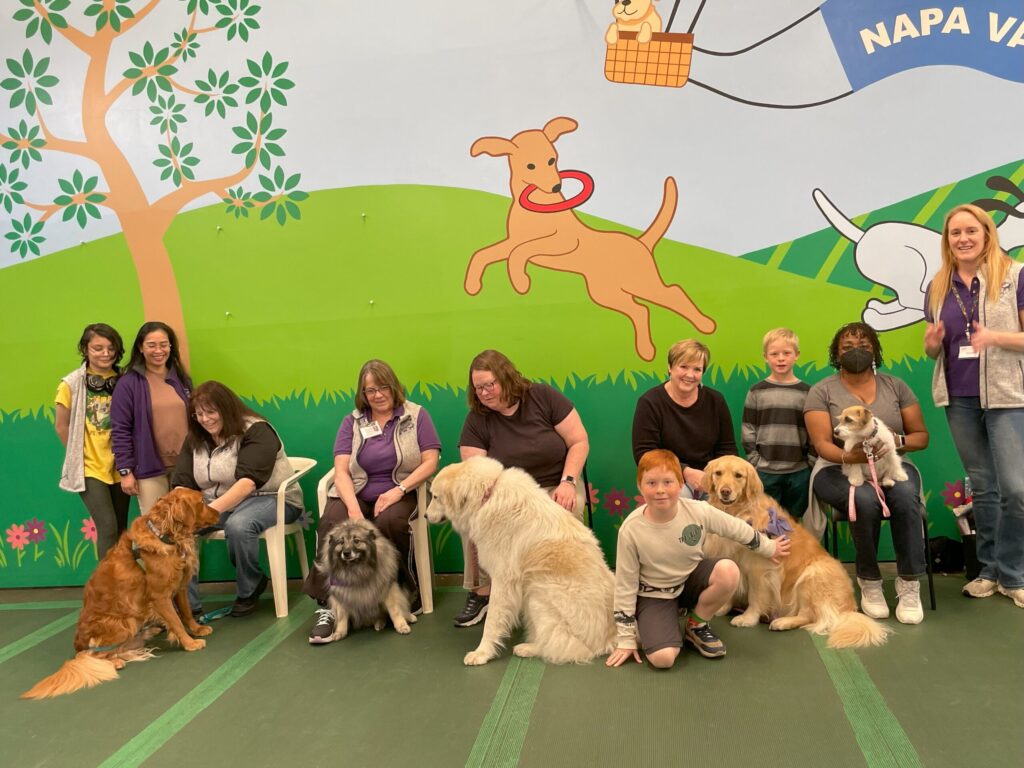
(559, 126)
(493, 146)
(754, 484)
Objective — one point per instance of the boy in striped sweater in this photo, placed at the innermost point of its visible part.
(773, 432)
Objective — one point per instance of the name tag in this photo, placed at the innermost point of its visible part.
(370, 430)
(967, 353)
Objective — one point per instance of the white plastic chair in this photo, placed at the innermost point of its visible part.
(420, 537)
(275, 538)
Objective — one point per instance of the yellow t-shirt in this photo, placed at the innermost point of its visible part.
(99, 455)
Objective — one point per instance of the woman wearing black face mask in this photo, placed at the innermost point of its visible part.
(856, 353)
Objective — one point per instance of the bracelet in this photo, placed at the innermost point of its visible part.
(402, 488)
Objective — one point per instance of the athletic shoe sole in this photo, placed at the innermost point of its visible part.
(475, 620)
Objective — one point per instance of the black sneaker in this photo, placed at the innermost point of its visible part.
(474, 611)
(704, 640)
(245, 605)
(323, 628)
(197, 614)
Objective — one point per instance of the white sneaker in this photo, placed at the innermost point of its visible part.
(1017, 594)
(872, 600)
(979, 588)
(908, 607)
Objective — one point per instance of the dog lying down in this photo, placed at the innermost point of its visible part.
(132, 595)
(808, 589)
(362, 568)
(546, 567)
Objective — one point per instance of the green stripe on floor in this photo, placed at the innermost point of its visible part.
(881, 738)
(161, 730)
(503, 730)
(41, 634)
(42, 606)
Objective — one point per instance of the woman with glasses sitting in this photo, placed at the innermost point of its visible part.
(82, 420)
(522, 424)
(385, 449)
(149, 414)
(237, 460)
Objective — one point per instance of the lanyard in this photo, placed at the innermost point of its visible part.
(963, 310)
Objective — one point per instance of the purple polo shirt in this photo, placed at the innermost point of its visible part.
(962, 375)
(377, 454)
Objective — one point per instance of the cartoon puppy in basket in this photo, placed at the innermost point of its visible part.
(637, 16)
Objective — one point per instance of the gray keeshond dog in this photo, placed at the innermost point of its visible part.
(362, 568)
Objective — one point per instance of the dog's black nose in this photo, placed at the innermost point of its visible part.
(557, 188)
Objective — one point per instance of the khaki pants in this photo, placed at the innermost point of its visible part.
(151, 489)
(474, 577)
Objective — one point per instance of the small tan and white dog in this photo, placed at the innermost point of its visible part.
(858, 428)
(637, 16)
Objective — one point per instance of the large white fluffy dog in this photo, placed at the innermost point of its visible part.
(544, 564)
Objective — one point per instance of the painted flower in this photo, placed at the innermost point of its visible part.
(616, 502)
(36, 530)
(305, 520)
(953, 494)
(639, 500)
(592, 494)
(17, 536)
(89, 529)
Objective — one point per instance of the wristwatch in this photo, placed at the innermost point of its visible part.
(124, 472)
(570, 480)
(402, 488)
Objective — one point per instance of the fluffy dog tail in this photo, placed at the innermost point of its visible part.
(665, 215)
(84, 671)
(855, 630)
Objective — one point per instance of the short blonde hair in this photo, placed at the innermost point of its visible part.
(688, 351)
(780, 334)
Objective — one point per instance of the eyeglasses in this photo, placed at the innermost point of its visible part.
(153, 346)
(487, 386)
(100, 384)
(374, 391)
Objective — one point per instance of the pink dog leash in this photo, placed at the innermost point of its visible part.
(852, 512)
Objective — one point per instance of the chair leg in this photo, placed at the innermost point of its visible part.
(300, 548)
(424, 568)
(278, 570)
(928, 565)
(834, 535)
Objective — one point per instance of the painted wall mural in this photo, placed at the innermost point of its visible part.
(152, 152)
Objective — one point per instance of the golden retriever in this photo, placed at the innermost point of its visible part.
(362, 568)
(808, 589)
(638, 16)
(544, 563)
(135, 587)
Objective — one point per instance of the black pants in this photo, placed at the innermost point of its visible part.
(108, 508)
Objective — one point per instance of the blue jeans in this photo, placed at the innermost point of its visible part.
(991, 446)
(906, 523)
(242, 528)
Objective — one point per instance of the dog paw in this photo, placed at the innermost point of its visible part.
(645, 34)
(856, 481)
(746, 620)
(378, 625)
(201, 630)
(520, 283)
(612, 35)
(473, 285)
(475, 659)
(411, 618)
(194, 645)
(403, 628)
(888, 482)
(525, 650)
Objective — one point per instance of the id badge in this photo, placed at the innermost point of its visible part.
(370, 430)
(967, 352)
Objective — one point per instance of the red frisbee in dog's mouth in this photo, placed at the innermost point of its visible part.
(579, 199)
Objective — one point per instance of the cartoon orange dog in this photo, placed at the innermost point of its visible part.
(638, 16)
(542, 228)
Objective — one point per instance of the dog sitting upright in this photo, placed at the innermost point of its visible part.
(637, 16)
(858, 428)
(362, 567)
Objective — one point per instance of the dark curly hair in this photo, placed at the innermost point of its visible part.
(858, 331)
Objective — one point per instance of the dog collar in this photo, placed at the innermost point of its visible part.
(162, 536)
(565, 205)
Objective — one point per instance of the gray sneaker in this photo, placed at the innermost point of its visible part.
(323, 628)
(707, 643)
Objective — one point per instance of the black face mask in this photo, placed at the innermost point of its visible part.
(856, 360)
